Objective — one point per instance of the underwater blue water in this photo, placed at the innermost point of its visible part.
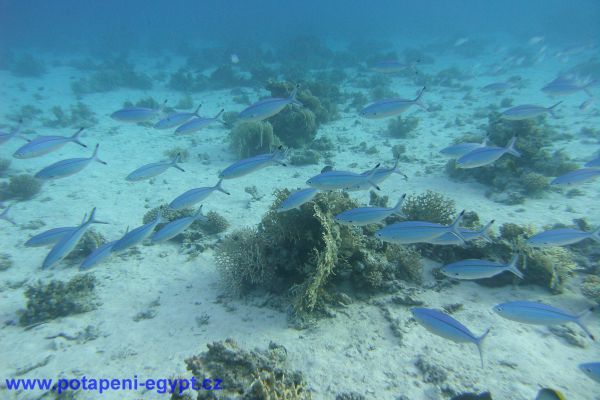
(120, 119)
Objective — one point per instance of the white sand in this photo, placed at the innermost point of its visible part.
(356, 351)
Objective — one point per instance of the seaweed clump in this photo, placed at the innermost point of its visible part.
(20, 187)
(510, 178)
(304, 255)
(255, 374)
(79, 115)
(58, 299)
(402, 127)
(248, 139)
(111, 74)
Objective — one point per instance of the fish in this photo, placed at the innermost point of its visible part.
(480, 269)
(562, 237)
(154, 169)
(45, 144)
(362, 216)
(587, 103)
(391, 66)
(267, 108)
(96, 256)
(460, 149)
(391, 107)
(136, 236)
(418, 231)
(194, 196)
(473, 396)
(330, 179)
(529, 312)
(51, 236)
(176, 119)
(528, 111)
(591, 369)
(137, 114)
(381, 174)
(65, 245)
(296, 199)
(15, 132)
(549, 394)
(460, 41)
(593, 163)
(497, 87)
(71, 166)
(248, 165)
(565, 86)
(4, 215)
(450, 238)
(577, 177)
(174, 228)
(443, 325)
(197, 123)
(535, 40)
(486, 155)
(234, 58)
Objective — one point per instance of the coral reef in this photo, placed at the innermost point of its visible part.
(20, 187)
(591, 288)
(245, 375)
(402, 127)
(58, 299)
(429, 206)
(248, 139)
(4, 165)
(5, 261)
(511, 178)
(183, 152)
(295, 126)
(25, 65)
(79, 115)
(111, 74)
(216, 223)
(303, 255)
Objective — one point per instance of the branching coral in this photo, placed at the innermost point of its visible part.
(245, 375)
(58, 299)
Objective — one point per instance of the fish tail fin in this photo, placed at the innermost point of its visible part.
(587, 86)
(176, 160)
(454, 227)
(95, 155)
(396, 170)
(219, 113)
(220, 188)
(92, 219)
(198, 215)
(512, 267)
(75, 137)
(483, 231)
(398, 206)
(486, 139)
(551, 109)
(293, 96)
(159, 217)
(510, 147)
(279, 155)
(197, 109)
(369, 177)
(417, 100)
(581, 325)
(479, 343)
(596, 235)
(4, 215)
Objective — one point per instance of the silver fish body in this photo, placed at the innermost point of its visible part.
(154, 169)
(497, 87)
(486, 155)
(343, 180)
(98, 255)
(527, 111)
(194, 196)
(563, 86)
(529, 312)
(252, 164)
(362, 216)
(391, 107)
(46, 144)
(266, 108)
(196, 123)
(577, 177)
(174, 228)
(4, 215)
(65, 245)
(64, 168)
(561, 237)
(136, 236)
(450, 238)
(447, 327)
(480, 269)
(135, 114)
(49, 237)
(297, 198)
(176, 119)
(408, 232)
(592, 370)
